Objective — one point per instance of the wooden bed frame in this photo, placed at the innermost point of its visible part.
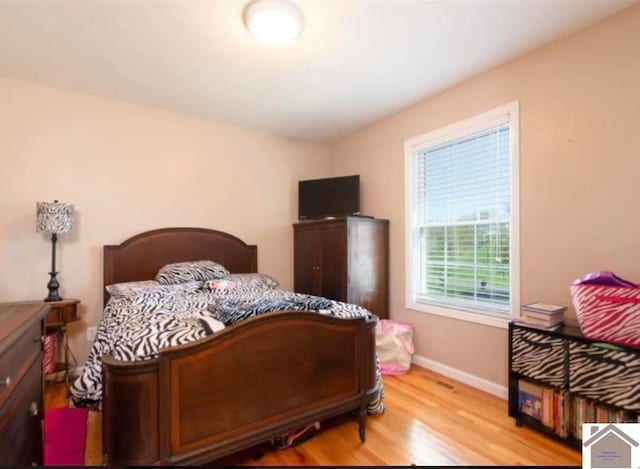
(242, 386)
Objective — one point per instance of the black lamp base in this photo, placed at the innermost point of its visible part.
(53, 287)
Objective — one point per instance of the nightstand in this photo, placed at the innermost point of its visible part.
(60, 314)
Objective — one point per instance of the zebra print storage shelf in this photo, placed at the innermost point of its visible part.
(606, 374)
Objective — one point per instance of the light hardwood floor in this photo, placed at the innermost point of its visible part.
(430, 420)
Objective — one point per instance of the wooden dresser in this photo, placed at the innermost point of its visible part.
(21, 383)
(345, 259)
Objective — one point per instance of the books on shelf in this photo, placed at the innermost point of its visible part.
(544, 308)
(565, 412)
(542, 315)
(525, 321)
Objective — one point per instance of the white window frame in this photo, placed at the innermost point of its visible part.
(451, 132)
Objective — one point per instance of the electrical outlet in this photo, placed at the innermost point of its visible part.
(91, 333)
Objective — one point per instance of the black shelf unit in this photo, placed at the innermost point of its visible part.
(559, 359)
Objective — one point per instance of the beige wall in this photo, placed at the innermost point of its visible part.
(579, 176)
(129, 169)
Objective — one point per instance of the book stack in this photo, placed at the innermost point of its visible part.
(542, 316)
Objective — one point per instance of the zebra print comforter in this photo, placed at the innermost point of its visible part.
(135, 327)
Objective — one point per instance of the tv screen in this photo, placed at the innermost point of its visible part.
(330, 197)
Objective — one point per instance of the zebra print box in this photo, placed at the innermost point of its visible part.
(608, 313)
(609, 376)
(539, 356)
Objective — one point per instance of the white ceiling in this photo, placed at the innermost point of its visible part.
(355, 62)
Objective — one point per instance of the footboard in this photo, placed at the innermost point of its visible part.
(249, 383)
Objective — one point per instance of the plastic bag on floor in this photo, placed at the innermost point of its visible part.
(394, 345)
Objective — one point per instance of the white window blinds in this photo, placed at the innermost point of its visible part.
(462, 221)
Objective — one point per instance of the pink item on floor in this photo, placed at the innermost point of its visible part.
(394, 346)
(65, 436)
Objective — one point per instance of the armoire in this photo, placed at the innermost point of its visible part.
(344, 259)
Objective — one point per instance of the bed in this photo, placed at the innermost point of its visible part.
(252, 381)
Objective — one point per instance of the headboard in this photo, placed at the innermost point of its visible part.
(141, 256)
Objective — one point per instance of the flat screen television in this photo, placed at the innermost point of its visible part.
(329, 197)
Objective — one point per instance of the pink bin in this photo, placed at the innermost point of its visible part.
(608, 313)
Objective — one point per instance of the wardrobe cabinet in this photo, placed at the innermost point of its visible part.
(344, 259)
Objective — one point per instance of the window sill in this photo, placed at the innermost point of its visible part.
(484, 319)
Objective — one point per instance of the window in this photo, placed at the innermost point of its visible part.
(462, 218)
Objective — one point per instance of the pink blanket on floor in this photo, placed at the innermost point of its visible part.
(65, 436)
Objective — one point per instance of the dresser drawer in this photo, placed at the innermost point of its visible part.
(539, 356)
(16, 359)
(609, 376)
(20, 429)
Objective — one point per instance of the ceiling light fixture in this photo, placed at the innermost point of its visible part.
(273, 22)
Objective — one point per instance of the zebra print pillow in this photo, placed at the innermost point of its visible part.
(149, 287)
(182, 272)
(237, 281)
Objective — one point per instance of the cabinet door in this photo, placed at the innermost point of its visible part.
(306, 262)
(333, 261)
(368, 262)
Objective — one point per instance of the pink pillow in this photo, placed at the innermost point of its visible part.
(222, 284)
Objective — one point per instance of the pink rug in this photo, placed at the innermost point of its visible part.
(65, 436)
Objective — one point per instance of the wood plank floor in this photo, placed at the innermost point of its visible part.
(430, 420)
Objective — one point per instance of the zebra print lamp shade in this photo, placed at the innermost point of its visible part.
(54, 217)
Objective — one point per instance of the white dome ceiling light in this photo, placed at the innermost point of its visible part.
(273, 22)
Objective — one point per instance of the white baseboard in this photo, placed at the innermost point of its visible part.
(463, 377)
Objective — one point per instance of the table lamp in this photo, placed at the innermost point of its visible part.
(55, 218)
